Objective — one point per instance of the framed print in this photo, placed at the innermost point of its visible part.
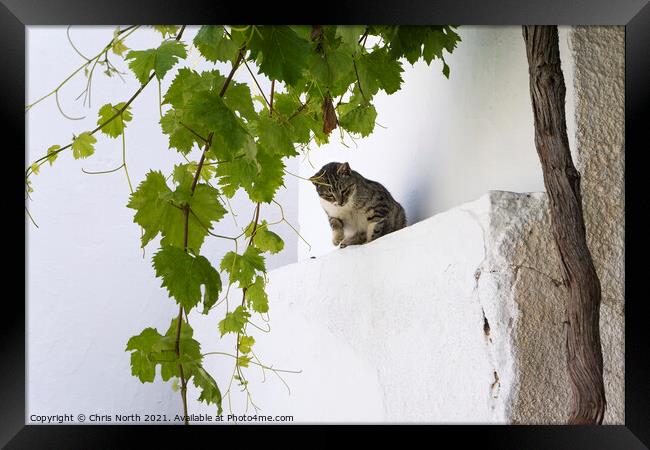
(414, 214)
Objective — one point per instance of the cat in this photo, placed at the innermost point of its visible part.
(359, 210)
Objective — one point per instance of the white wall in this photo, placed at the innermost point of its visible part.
(88, 287)
(445, 141)
(373, 335)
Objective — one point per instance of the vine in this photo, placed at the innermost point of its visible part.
(243, 141)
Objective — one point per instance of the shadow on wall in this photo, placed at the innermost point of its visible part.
(418, 200)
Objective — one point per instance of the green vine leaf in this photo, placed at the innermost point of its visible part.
(184, 274)
(281, 54)
(210, 393)
(242, 268)
(150, 348)
(160, 60)
(184, 86)
(214, 45)
(83, 145)
(142, 63)
(434, 44)
(209, 112)
(407, 42)
(52, 154)
(246, 344)
(331, 69)
(304, 123)
(235, 174)
(157, 212)
(378, 70)
(186, 172)
(234, 321)
(359, 120)
(188, 83)
(116, 126)
(143, 357)
(256, 296)
(350, 35)
(238, 98)
(167, 56)
(189, 349)
(413, 42)
(150, 207)
(118, 46)
(269, 177)
(166, 30)
(198, 109)
(266, 240)
(275, 136)
(180, 137)
(260, 177)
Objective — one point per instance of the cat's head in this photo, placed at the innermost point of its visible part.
(334, 182)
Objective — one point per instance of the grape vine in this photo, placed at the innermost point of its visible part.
(323, 78)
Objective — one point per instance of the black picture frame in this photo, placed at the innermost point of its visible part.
(15, 15)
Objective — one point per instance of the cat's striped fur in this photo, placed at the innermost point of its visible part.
(359, 210)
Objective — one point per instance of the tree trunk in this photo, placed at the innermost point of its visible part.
(562, 182)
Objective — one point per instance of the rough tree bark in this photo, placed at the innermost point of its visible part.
(562, 182)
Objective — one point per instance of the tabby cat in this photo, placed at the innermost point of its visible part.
(359, 210)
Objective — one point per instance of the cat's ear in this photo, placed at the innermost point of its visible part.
(343, 169)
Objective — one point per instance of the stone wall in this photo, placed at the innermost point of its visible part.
(599, 98)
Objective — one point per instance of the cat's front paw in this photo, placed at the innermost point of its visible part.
(357, 239)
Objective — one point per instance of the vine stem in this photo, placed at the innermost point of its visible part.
(180, 365)
(193, 132)
(359, 81)
(299, 110)
(256, 82)
(271, 102)
(186, 214)
(364, 36)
